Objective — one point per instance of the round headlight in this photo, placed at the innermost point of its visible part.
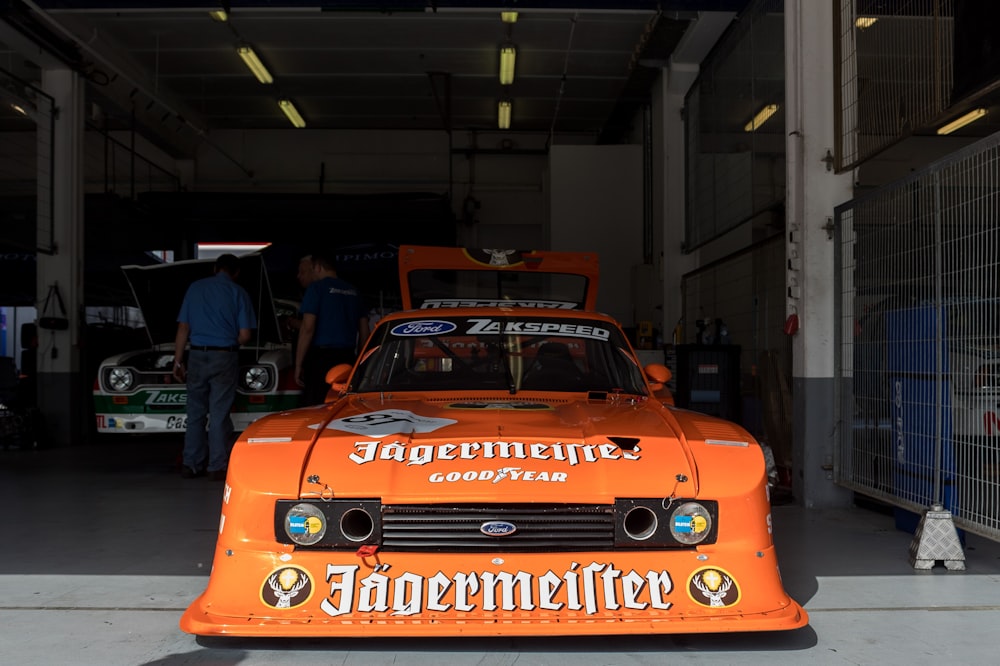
(257, 378)
(120, 379)
(690, 523)
(305, 524)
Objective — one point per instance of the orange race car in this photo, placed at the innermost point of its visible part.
(497, 463)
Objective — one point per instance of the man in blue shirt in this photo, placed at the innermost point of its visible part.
(334, 324)
(217, 315)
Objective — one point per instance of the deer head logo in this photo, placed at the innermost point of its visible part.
(499, 257)
(285, 585)
(715, 586)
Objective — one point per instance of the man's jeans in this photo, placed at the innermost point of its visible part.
(211, 389)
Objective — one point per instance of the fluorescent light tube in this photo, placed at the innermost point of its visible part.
(503, 115)
(292, 113)
(760, 118)
(507, 55)
(962, 121)
(254, 64)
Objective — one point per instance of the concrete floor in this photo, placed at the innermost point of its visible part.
(105, 545)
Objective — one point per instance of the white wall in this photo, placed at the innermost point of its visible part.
(596, 205)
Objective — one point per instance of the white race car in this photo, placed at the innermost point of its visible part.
(135, 391)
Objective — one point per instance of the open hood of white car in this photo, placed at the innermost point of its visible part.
(159, 291)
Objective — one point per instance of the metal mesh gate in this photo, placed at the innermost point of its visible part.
(735, 128)
(918, 344)
(894, 72)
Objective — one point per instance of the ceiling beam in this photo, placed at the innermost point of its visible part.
(390, 6)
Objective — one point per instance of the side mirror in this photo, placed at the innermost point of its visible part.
(337, 377)
(658, 375)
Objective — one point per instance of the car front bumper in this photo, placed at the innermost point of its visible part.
(296, 593)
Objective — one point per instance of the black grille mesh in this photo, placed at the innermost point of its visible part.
(540, 528)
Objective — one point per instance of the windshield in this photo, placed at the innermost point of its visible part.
(511, 353)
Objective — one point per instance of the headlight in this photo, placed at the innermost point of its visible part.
(334, 524)
(305, 524)
(257, 378)
(120, 379)
(690, 523)
(655, 522)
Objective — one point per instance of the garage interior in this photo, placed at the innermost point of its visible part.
(645, 129)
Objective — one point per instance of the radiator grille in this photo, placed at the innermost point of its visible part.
(539, 528)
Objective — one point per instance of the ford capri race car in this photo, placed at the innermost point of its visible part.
(135, 392)
(494, 464)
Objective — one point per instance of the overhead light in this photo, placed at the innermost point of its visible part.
(962, 121)
(220, 15)
(255, 65)
(508, 17)
(507, 55)
(863, 22)
(19, 109)
(293, 114)
(760, 118)
(503, 114)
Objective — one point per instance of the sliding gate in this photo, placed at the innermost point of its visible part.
(918, 340)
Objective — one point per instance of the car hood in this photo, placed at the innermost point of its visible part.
(461, 450)
(159, 291)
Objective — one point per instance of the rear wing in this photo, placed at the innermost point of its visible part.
(446, 277)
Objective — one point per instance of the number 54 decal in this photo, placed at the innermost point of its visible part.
(389, 422)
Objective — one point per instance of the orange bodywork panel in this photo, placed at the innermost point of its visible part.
(493, 470)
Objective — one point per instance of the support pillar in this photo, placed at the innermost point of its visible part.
(62, 392)
(678, 77)
(813, 190)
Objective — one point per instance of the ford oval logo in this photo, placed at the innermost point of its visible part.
(426, 327)
(498, 528)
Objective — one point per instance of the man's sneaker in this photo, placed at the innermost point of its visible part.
(217, 475)
(191, 473)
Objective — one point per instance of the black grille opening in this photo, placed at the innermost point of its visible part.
(536, 528)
